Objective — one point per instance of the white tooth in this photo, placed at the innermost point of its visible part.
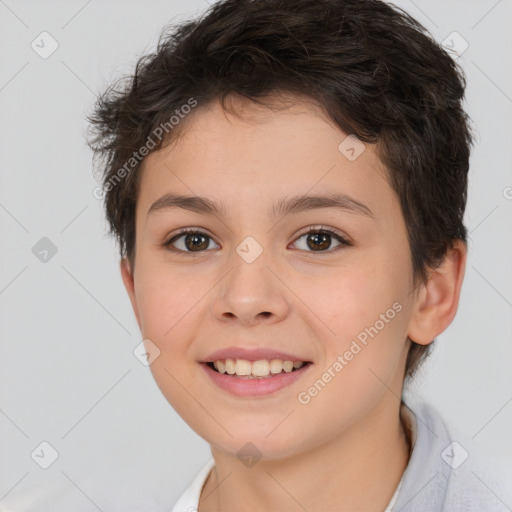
(215, 365)
(288, 366)
(230, 366)
(276, 366)
(261, 368)
(221, 367)
(243, 367)
(297, 364)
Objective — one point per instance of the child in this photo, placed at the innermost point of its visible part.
(287, 182)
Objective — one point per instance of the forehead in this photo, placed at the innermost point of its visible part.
(258, 155)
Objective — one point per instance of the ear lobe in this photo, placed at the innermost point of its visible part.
(129, 284)
(438, 298)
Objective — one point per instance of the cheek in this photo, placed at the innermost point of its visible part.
(349, 300)
(366, 311)
(169, 306)
(361, 362)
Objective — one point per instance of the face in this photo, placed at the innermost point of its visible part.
(266, 278)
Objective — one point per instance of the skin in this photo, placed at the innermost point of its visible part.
(321, 455)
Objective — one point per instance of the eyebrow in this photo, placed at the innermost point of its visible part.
(282, 207)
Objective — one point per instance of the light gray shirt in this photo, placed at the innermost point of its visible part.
(446, 475)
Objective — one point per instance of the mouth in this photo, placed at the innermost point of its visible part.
(260, 369)
(259, 378)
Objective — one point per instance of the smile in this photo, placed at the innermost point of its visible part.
(255, 369)
(263, 377)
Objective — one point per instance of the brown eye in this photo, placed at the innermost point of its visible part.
(320, 240)
(196, 242)
(190, 241)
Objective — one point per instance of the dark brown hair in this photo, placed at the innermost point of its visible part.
(373, 69)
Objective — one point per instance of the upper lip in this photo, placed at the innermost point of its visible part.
(248, 354)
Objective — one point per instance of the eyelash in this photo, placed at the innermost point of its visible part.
(314, 229)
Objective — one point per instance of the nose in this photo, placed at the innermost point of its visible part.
(250, 293)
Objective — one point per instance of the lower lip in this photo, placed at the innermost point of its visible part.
(254, 387)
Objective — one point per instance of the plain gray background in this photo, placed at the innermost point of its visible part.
(68, 375)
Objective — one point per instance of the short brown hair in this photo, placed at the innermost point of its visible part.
(373, 69)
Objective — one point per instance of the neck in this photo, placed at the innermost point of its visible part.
(357, 470)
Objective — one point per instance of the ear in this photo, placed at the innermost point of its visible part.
(127, 275)
(438, 298)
